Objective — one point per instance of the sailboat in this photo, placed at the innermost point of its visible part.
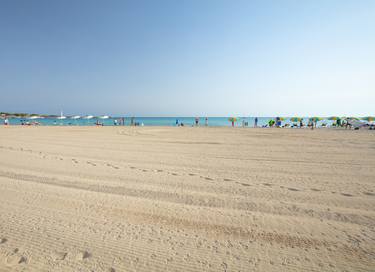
(61, 117)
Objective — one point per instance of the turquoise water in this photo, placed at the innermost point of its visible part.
(154, 121)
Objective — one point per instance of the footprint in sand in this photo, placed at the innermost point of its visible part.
(83, 255)
(245, 184)
(174, 174)
(315, 190)
(113, 166)
(15, 259)
(3, 240)
(293, 189)
(132, 167)
(345, 194)
(59, 256)
(206, 178)
(228, 179)
(267, 184)
(91, 163)
(74, 160)
(192, 175)
(369, 193)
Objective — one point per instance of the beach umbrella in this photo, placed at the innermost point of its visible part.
(315, 119)
(233, 119)
(369, 118)
(295, 119)
(334, 118)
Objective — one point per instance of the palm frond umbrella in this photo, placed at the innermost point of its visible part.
(232, 120)
(315, 119)
(369, 118)
(334, 118)
(295, 119)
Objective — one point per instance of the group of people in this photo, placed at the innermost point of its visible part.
(181, 124)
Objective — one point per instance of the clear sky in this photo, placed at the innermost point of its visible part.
(188, 58)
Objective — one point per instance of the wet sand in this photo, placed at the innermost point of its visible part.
(186, 199)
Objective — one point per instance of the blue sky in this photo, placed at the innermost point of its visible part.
(188, 58)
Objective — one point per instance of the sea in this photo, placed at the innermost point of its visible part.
(156, 121)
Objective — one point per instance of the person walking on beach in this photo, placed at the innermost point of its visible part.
(256, 122)
(6, 121)
(176, 122)
(206, 122)
(300, 123)
(196, 121)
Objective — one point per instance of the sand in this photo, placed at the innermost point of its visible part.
(186, 199)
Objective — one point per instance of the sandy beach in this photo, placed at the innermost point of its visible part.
(186, 199)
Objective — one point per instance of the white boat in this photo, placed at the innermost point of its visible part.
(61, 117)
(75, 117)
(34, 117)
(88, 117)
(104, 117)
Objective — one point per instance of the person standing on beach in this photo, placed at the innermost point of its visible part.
(196, 121)
(176, 122)
(256, 122)
(206, 122)
(6, 121)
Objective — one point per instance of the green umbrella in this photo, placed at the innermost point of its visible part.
(233, 119)
(295, 119)
(369, 118)
(315, 119)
